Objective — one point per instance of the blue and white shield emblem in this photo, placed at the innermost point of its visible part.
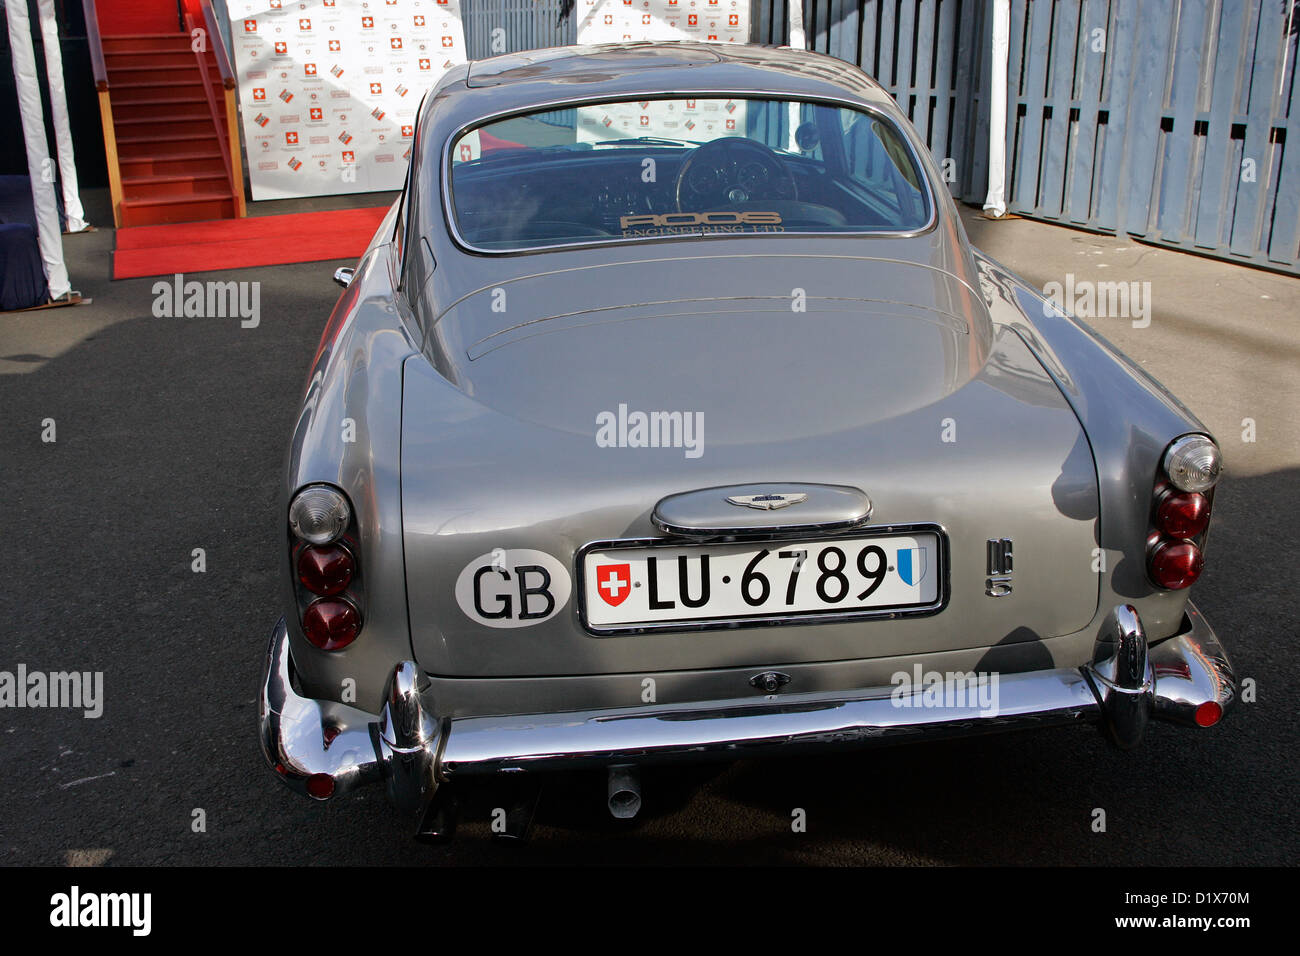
(911, 565)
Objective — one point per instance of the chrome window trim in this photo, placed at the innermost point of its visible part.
(820, 617)
(449, 212)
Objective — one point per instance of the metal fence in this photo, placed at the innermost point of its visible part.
(1163, 119)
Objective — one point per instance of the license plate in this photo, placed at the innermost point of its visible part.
(667, 586)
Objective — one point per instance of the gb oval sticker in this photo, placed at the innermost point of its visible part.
(517, 587)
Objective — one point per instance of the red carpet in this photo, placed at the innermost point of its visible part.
(240, 243)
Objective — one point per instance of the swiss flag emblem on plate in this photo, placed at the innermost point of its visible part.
(614, 582)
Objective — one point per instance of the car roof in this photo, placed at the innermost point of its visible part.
(544, 75)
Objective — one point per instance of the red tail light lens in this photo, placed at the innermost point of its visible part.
(1208, 714)
(1183, 515)
(1176, 564)
(320, 786)
(325, 570)
(331, 624)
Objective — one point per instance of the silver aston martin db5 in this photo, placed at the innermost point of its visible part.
(670, 414)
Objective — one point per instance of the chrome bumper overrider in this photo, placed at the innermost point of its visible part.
(322, 748)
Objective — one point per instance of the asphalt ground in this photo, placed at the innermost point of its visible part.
(171, 435)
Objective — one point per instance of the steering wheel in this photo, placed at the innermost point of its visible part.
(731, 170)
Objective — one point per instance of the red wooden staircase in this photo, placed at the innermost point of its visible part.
(167, 128)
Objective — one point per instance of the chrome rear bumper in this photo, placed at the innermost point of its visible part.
(322, 748)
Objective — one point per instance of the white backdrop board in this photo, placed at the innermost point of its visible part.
(620, 21)
(328, 89)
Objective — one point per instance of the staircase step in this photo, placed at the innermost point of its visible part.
(176, 187)
(195, 163)
(194, 109)
(144, 212)
(173, 82)
(166, 144)
(132, 88)
(163, 126)
(148, 59)
(147, 43)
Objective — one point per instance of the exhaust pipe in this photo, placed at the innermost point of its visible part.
(624, 791)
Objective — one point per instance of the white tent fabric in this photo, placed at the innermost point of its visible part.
(48, 231)
(73, 214)
(995, 201)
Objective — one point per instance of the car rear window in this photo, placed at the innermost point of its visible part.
(682, 167)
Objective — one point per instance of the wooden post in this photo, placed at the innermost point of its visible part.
(236, 154)
(110, 153)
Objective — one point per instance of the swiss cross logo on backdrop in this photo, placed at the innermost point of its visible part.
(250, 26)
(304, 23)
(309, 69)
(645, 120)
(448, 41)
(733, 19)
(275, 4)
(425, 64)
(317, 113)
(335, 46)
(419, 21)
(466, 152)
(645, 19)
(281, 47)
(692, 19)
(291, 138)
(349, 156)
(376, 89)
(614, 583)
(367, 23)
(259, 94)
(731, 124)
(408, 130)
(395, 42)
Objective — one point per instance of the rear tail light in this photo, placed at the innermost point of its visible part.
(322, 553)
(320, 786)
(1180, 513)
(325, 571)
(1208, 714)
(1183, 515)
(331, 623)
(1176, 564)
